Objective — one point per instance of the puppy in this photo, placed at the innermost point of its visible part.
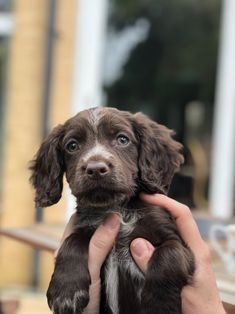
(108, 157)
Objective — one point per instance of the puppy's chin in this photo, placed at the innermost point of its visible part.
(102, 198)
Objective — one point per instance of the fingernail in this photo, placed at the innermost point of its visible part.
(111, 222)
(140, 248)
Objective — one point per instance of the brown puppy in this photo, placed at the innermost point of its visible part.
(108, 157)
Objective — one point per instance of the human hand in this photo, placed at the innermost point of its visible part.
(100, 245)
(202, 297)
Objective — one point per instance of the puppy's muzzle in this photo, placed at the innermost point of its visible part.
(97, 169)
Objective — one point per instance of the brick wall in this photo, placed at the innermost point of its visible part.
(23, 125)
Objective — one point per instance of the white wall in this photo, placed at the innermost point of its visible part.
(223, 153)
(88, 64)
(89, 49)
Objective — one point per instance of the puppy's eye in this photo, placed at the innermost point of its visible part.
(72, 146)
(122, 140)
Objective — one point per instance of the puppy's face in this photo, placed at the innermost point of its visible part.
(100, 152)
(107, 156)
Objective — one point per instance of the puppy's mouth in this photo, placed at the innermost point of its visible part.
(102, 197)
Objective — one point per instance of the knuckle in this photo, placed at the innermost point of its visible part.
(186, 211)
(100, 242)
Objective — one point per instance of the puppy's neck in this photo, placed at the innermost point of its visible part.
(94, 216)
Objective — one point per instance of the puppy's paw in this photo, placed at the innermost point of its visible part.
(67, 300)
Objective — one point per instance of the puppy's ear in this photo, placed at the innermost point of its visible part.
(47, 170)
(159, 155)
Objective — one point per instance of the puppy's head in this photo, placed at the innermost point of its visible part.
(107, 156)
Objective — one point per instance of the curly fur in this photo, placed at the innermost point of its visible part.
(116, 155)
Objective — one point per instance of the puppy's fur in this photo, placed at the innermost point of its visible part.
(108, 157)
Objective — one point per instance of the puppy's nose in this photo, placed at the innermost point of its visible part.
(95, 168)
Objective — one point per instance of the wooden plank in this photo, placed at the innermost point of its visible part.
(41, 237)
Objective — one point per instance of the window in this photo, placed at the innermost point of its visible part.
(161, 58)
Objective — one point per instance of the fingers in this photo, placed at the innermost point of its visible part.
(141, 251)
(183, 216)
(101, 243)
(93, 306)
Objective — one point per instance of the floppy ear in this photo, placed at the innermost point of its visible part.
(47, 170)
(159, 155)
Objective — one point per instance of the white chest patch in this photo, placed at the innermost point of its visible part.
(123, 260)
(111, 278)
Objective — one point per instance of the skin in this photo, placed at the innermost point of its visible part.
(202, 297)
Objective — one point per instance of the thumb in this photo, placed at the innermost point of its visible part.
(101, 244)
(141, 251)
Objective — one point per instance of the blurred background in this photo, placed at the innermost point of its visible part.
(173, 60)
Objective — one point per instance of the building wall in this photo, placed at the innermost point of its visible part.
(60, 108)
(23, 126)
